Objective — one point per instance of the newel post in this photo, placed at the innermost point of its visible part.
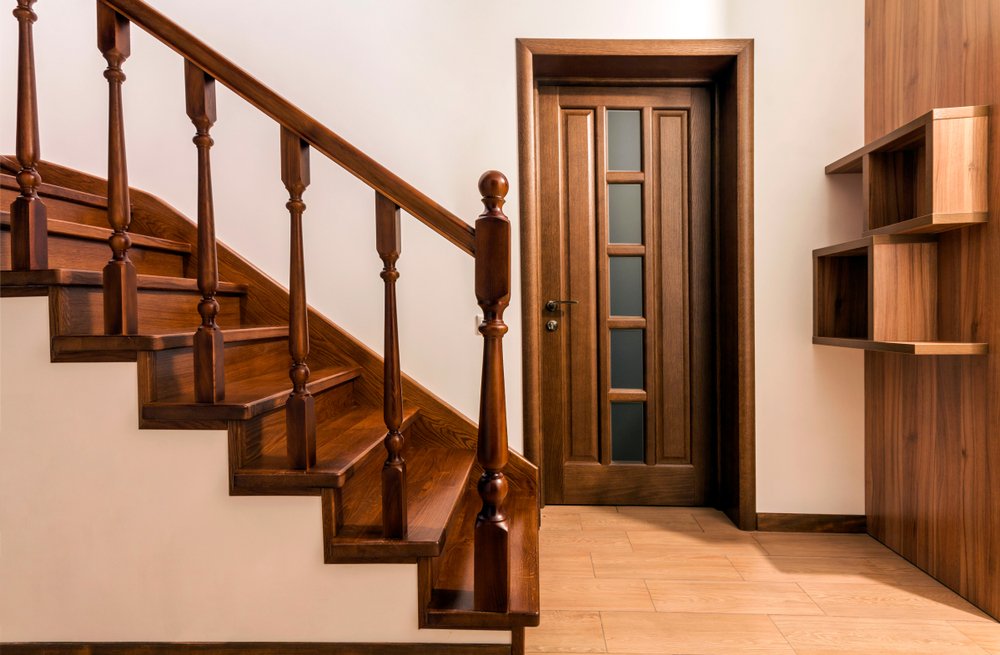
(492, 532)
(28, 224)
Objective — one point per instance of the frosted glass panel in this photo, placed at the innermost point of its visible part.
(627, 432)
(626, 359)
(626, 286)
(625, 213)
(624, 150)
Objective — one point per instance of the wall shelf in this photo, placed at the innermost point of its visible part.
(881, 293)
(928, 176)
(908, 347)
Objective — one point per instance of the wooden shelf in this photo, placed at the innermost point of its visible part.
(881, 293)
(928, 176)
(908, 347)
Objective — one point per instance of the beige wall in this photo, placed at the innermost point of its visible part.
(427, 88)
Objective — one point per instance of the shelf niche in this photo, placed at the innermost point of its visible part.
(928, 176)
(881, 293)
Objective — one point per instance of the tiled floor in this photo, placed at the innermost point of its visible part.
(685, 581)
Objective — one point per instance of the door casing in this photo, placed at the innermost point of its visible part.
(727, 67)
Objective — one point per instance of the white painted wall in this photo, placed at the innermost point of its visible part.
(429, 90)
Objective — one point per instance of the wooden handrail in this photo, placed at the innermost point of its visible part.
(366, 169)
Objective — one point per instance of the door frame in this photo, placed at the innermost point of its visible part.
(727, 66)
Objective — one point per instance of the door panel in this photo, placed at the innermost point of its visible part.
(622, 231)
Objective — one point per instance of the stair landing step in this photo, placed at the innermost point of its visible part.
(247, 397)
(436, 481)
(343, 441)
(94, 233)
(452, 601)
(83, 278)
(98, 343)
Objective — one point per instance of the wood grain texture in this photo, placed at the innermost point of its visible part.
(248, 648)
(932, 492)
(810, 523)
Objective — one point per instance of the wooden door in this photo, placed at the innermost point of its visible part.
(626, 235)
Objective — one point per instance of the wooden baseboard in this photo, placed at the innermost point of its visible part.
(850, 523)
(237, 648)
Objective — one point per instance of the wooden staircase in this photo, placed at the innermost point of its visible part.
(402, 476)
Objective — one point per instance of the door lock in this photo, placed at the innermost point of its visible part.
(553, 305)
(552, 326)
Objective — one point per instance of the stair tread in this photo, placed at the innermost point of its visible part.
(80, 277)
(102, 342)
(9, 181)
(436, 479)
(94, 233)
(343, 440)
(247, 397)
(452, 601)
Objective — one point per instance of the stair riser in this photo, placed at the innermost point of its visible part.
(174, 369)
(80, 310)
(91, 255)
(62, 210)
(267, 433)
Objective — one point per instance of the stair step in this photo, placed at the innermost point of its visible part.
(45, 190)
(83, 278)
(436, 481)
(102, 347)
(343, 441)
(452, 602)
(61, 203)
(246, 397)
(102, 234)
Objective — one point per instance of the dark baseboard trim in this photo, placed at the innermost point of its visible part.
(850, 523)
(259, 648)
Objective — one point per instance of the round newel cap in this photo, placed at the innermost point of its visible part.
(493, 184)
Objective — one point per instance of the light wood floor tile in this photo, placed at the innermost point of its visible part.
(875, 600)
(594, 594)
(987, 635)
(560, 521)
(692, 634)
(714, 521)
(572, 542)
(730, 597)
(893, 570)
(675, 522)
(566, 632)
(651, 566)
(694, 544)
(552, 510)
(566, 566)
(833, 636)
(821, 545)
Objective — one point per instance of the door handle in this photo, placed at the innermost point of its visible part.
(553, 305)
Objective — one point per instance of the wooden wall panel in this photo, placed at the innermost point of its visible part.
(933, 424)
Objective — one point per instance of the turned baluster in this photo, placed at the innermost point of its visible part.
(209, 376)
(28, 224)
(300, 413)
(388, 245)
(120, 297)
(492, 532)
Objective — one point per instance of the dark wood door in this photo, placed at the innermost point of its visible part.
(627, 350)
